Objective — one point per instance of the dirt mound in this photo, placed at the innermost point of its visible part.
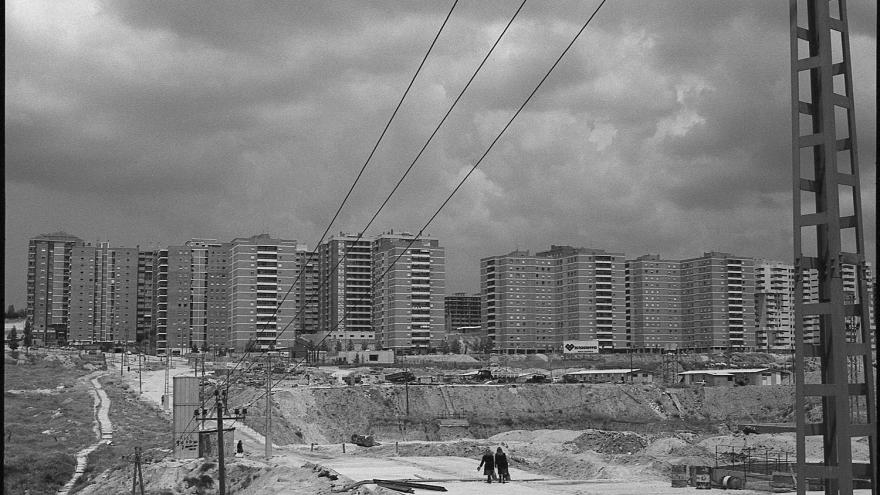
(439, 358)
(609, 442)
(62, 359)
(542, 436)
(243, 476)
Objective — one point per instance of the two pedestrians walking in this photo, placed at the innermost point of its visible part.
(489, 462)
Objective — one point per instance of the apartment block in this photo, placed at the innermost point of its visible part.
(409, 280)
(263, 292)
(590, 294)
(461, 310)
(654, 303)
(532, 303)
(307, 291)
(718, 293)
(518, 303)
(216, 294)
(774, 306)
(208, 298)
(345, 300)
(851, 278)
(103, 298)
(48, 286)
(172, 293)
(144, 313)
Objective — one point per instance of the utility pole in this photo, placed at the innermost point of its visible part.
(828, 242)
(201, 381)
(140, 374)
(238, 415)
(268, 405)
(167, 375)
(138, 475)
(220, 463)
(630, 364)
(406, 389)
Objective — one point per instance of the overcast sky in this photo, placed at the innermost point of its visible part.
(665, 130)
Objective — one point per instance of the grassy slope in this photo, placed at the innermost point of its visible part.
(33, 460)
(135, 423)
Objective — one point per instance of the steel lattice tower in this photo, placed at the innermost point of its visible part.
(828, 240)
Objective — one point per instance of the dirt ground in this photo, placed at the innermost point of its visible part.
(571, 439)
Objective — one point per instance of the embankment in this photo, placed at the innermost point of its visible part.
(332, 414)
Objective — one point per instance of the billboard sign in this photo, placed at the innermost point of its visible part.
(580, 347)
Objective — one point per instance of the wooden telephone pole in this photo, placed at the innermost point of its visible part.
(268, 405)
(221, 409)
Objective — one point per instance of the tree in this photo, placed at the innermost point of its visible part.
(28, 335)
(338, 345)
(444, 347)
(486, 346)
(357, 359)
(349, 346)
(13, 339)
(10, 311)
(455, 347)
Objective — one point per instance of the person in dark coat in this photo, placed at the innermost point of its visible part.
(501, 464)
(239, 448)
(489, 462)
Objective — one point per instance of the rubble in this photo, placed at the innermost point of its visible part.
(609, 442)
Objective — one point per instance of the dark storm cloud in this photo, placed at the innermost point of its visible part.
(664, 130)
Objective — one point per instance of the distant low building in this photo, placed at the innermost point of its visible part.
(625, 375)
(733, 377)
(368, 357)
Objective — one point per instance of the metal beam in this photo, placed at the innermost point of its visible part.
(846, 390)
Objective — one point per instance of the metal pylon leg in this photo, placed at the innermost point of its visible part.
(829, 252)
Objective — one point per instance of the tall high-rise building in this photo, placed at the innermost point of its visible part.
(850, 280)
(206, 255)
(461, 310)
(144, 324)
(48, 286)
(216, 290)
(409, 280)
(718, 293)
(533, 303)
(345, 301)
(307, 291)
(103, 294)
(774, 306)
(519, 302)
(262, 292)
(590, 294)
(172, 288)
(654, 303)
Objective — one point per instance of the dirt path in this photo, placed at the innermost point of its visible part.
(103, 429)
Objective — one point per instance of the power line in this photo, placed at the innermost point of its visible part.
(350, 190)
(363, 167)
(483, 156)
(428, 142)
(407, 171)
